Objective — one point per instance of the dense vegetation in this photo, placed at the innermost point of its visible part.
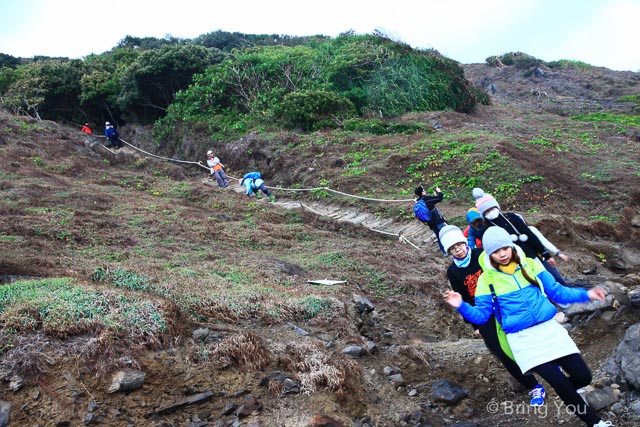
(230, 83)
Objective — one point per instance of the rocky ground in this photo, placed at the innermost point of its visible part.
(386, 358)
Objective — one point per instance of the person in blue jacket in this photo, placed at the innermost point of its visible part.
(475, 228)
(113, 138)
(518, 290)
(253, 183)
(427, 213)
(463, 274)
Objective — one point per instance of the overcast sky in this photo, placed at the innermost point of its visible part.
(600, 32)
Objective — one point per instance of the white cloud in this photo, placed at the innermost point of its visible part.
(596, 31)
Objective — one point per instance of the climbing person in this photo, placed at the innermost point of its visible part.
(217, 170)
(112, 135)
(518, 230)
(475, 228)
(86, 129)
(425, 210)
(518, 291)
(253, 182)
(463, 274)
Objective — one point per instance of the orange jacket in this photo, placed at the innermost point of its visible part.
(86, 129)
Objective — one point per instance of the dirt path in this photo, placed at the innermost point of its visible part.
(413, 233)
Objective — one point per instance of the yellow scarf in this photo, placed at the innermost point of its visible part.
(509, 268)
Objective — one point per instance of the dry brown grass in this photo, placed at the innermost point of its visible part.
(316, 368)
(245, 351)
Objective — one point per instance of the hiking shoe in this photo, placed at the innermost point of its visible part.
(272, 198)
(537, 396)
(603, 424)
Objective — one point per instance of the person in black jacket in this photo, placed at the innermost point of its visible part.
(425, 210)
(518, 230)
(463, 276)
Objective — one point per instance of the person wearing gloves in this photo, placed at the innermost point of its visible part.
(217, 170)
(463, 274)
(519, 232)
(253, 183)
(426, 212)
(519, 291)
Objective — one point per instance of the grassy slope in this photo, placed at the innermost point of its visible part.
(146, 254)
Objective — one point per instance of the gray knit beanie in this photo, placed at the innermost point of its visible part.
(495, 238)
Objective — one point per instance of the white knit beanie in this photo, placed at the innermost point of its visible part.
(450, 235)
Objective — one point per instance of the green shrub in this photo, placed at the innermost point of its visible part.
(567, 63)
(520, 60)
(381, 127)
(305, 109)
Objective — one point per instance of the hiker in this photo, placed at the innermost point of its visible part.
(112, 135)
(86, 129)
(253, 182)
(217, 170)
(518, 230)
(474, 229)
(463, 276)
(519, 291)
(425, 210)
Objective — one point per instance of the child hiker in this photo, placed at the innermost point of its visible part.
(518, 289)
(463, 276)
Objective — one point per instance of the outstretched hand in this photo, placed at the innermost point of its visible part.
(597, 293)
(454, 299)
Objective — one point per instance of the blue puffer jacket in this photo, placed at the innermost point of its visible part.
(252, 185)
(472, 215)
(520, 304)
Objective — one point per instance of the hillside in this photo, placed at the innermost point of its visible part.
(126, 263)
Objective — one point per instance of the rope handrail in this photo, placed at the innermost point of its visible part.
(400, 237)
(371, 199)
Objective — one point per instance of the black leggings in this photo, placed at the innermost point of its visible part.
(579, 376)
(490, 338)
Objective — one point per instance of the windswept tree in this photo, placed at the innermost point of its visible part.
(101, 83)
(149, 85)
(46, 89)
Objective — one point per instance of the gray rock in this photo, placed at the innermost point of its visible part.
(635, 407)
(190, 400)
(371, 347)
(447, 392)
(353, 351)
(583, 308)
(200, 334)
(396, 379)
(391, 370)
(5, 413)
(298, 330)
(126, 381)
(628, 355)
(363, 304)
(600, 398)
